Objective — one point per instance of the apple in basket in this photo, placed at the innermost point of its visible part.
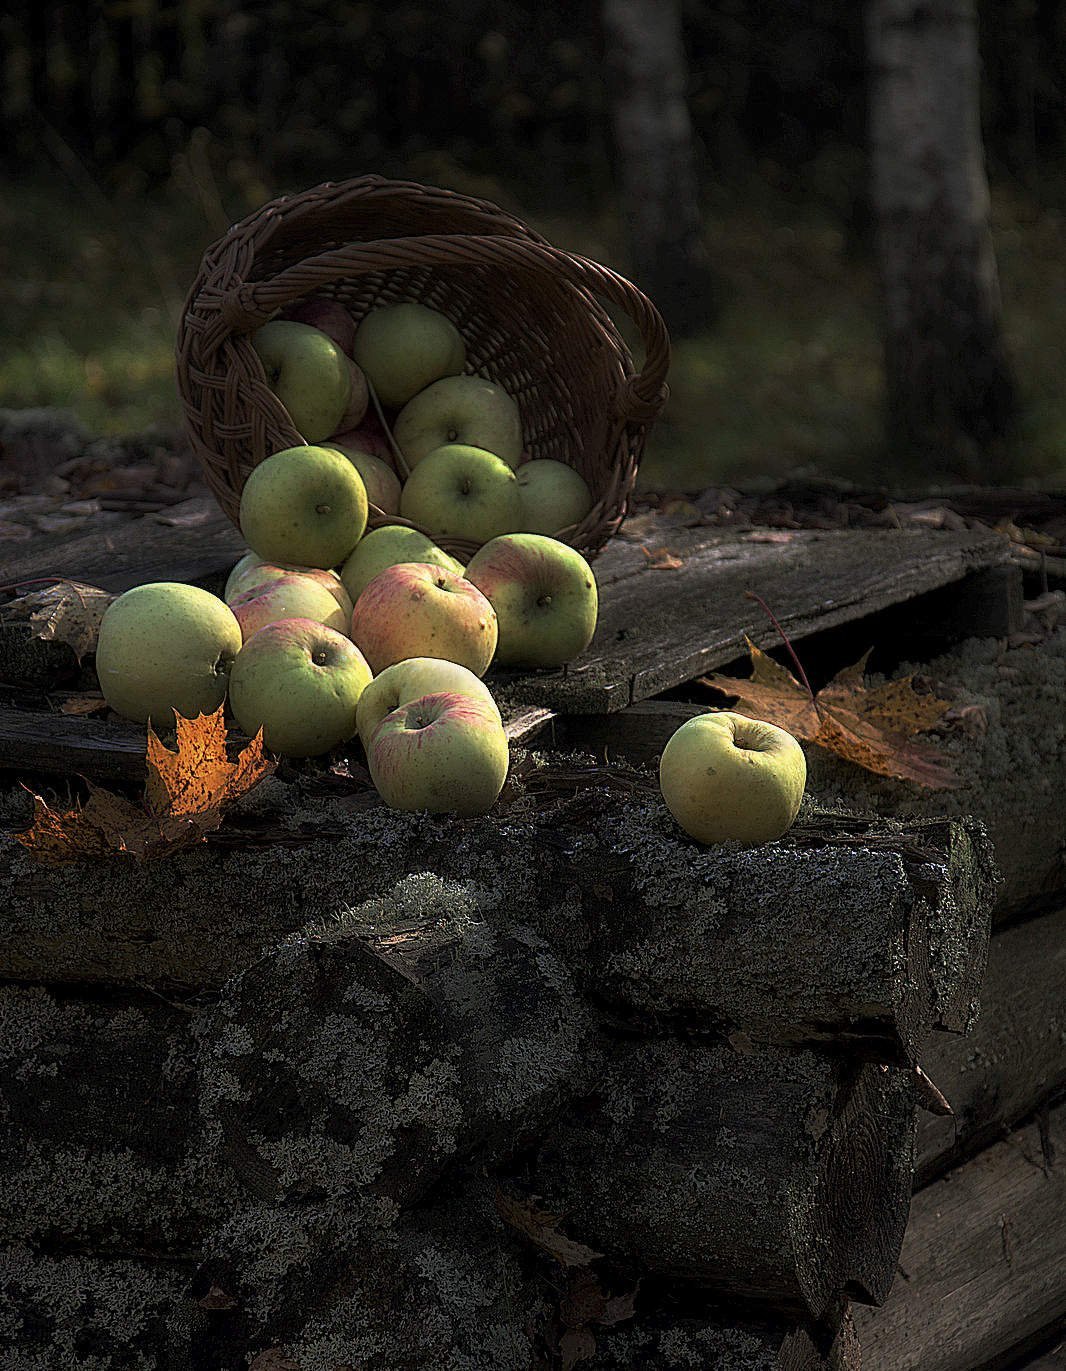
(415, 609)
(382, 483)
(554, 496)
(300, 682)
(463, 492)
(328, 316)
(725, 776)
(544, 594)
(460, 409)
(305, 505)
(388, 546)
(308, 373)
(404, 348)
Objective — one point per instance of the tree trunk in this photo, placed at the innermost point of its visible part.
(654, 158)
(951, 394)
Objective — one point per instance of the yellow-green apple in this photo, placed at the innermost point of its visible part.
(305, 505)
(388, 546)
(329, 316)
(382, 483)
(404, 348)
(409, 680)
(445, 753)
(460, 409)
(415, 609)
(554, 496)
(288, 597)
(463, 492)
(166, 646)
(308, 373)
(544, 595)
(358, 398)
(725, 776)
(251, 571)
(300, 682)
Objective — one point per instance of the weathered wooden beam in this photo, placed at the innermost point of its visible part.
(1015, 1055)
(983, 1266)
(776, 1177)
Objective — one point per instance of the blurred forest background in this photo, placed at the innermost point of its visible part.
(135, 131)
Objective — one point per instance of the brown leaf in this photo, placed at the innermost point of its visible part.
(66, 612)
(105, 824)
(661, 559)
(88, 703)
(769, 535)
(217, 1298)
(872, 728)
(540, 1228)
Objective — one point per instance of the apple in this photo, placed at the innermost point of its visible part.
(387, 546)
(409, 680)
(328, 316)
(305, 505)
(554, 496)
(404, 348)
(166, 646)
(308, 373)
(544, 595)
(460, 409)
(415, 609)
(288, 597)
(445, 753)
(382, 483)
(358, 398)
(248, 575)
(368, 436)
(300, 682)
(463, 492)
(725, 776)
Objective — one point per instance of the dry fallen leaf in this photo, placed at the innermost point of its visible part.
(661, 559)
(87, 703)
(874, 728)
(184, 796)
(66, 612)
(540, 1228)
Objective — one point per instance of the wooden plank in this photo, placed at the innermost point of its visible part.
(983, 1267)
(659, 628)
(119, 555)
(1013, 1058)
(1054, 1359)
(100, 749)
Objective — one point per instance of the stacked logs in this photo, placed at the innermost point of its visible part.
(352, 1088)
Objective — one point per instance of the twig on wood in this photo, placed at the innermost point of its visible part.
(753, 595)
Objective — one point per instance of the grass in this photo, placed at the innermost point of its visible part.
(788, 380)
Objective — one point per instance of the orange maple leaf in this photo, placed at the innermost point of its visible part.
(184, 795)
(874, 728)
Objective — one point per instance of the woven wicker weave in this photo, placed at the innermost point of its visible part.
(530, 316)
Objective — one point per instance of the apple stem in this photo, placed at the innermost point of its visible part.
(753, 595)
(404, 468)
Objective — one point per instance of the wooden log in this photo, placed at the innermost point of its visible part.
(655, 632)
(1015, 1055)
(80, 1311)
(362, 1056)
(983, 1266)
(97, 1111)
(889, 919)
(776, 1177)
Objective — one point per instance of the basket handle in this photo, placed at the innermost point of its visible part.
(252, 303)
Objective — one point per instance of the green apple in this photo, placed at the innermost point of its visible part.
(251, 571)
(404, 348)
(554, 496)
(460, 409)
(388, 546)
(163, 647)
(308, 373)
(305, 505)
(544, 595)
(463, 492)
(294, 596)
(409, 680)
(725, 776)
(445, 753)
(382, 483)
(300, 682)
(415, 609)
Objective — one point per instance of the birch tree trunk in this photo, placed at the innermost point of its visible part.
(654, 157)
(951, 395)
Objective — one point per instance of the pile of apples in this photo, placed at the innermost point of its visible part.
(325, 630)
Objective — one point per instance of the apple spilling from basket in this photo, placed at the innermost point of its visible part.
(326, 630)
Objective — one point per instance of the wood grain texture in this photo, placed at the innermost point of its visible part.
(983, 1266)
(1013, 1057)
(658, 629)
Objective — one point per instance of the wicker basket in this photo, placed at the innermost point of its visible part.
(530, 316)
